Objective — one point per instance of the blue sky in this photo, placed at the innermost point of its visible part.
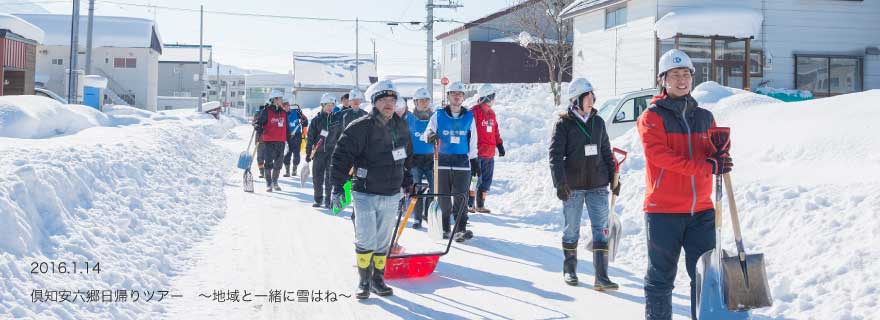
(267, 43)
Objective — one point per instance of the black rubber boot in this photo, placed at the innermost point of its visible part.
(294, 171)
(268, 173)
(600, 262)
(481, 203)
(364, 257)
(262, 175)
(287, 170)
(275, 174)
(377, 284)
(569, 264)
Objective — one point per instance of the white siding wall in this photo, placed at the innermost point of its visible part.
(620, 59)
(453, 68)
(814, 26)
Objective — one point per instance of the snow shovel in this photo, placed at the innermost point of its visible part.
(248, 178)
(416, 265)
(338, 207)
(614, 226)
(304, 172)
(420, 189)
(434, 216)
(745, 284)
(245, 158)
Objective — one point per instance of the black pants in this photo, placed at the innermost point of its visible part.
(321, 177)
(667, 235)
(455, 182)
(274, 153)
(261, 153)
(293, 147)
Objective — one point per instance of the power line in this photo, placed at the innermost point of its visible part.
(258, 15)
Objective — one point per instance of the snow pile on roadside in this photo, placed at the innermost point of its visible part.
(805, 194)
(131, 198)
(36, 117)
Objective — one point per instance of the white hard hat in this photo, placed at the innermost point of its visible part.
(401, 105)
(328, 98)
(577, 87)
(355, 94)
(421, 93)
(486, 90)
(674, 59)
(276, 94)
(456, 86)
(383, 89)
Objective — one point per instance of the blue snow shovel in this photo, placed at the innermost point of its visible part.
(245, 159)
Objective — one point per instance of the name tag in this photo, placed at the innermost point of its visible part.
(399, 154)
(280, 123)
(324, 133)
(455, 140)
(489, 129)
(361, 173)
(591, 150)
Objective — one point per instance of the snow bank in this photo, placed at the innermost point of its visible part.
(807, 184)
(131, 198)
(710, 21)
(41, 117)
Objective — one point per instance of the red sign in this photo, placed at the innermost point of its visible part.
(444, 81)
(227, 103)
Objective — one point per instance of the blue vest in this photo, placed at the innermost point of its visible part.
(293, 125)
(416, 129)
(447, 128)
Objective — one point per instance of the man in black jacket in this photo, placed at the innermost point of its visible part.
(582, 167)
(322, 136)
(379, 150)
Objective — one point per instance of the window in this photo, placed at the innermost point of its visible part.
(125, 63)
(212, 93)
(615, 17)
(631, 109)
(232, 93)
(826, 76)
(241, 93)
(59, 62)
(212, 82)
(240, 103)
(241, 82)
(453, 51)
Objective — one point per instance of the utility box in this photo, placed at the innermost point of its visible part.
(93, 91)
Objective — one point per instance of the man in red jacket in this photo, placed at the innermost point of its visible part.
(488, 139)
(680, 164)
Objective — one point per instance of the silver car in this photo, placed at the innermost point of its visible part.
(621, 112)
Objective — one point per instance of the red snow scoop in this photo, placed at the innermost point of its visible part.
(416, 265)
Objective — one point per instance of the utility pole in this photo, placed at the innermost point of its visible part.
(357, 55)
(375, 62)
(89, 37)
(429, 30)
(74, 48)
(218, 77)
(201, 59)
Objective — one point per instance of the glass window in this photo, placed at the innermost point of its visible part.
(453, 51)
(607, 108)
(700, 51)
(827, 76)
(733, 50)
(119, 62)
(845, 75)
(627, 113)
(131, 63)
(615, 17)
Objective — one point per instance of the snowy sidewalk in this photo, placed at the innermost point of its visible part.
(278, 242)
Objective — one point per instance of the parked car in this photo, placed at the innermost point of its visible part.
(621, 112)
(49, 94)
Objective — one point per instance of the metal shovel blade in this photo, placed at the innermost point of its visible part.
(303, 175)
(744, 283)
(248, 181)
(614, 231)
(709, 300)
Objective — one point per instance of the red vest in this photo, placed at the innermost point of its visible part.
(275, 129)
(487, 131)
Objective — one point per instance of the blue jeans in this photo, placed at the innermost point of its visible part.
(417, 174)
(667, 234)
(374, 222)
(596, 201)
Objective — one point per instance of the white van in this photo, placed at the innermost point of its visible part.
(621, 112)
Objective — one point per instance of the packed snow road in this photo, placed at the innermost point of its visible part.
(276, 241)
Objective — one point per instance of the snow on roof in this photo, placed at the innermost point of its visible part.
(270, 80)
(21, 27)
(516, 40)
(184, 53)
(312, 69)
(123, 32)
(579, 7)
(710, 21)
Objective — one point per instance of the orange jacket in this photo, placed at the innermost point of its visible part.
(674, 134)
